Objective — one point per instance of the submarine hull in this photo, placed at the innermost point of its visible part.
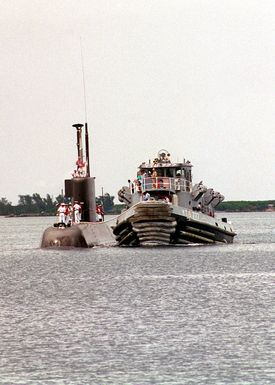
(79, 235)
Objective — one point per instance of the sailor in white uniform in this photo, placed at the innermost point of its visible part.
(61, 212)
(77, 210)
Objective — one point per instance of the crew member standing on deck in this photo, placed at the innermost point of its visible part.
(131, 186)
(61, 212)
(77, 211)
(68, 214)
(81, 168)
(154, 178)
(99, 216)
(101, 211)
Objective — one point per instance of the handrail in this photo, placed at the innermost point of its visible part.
(164, 183)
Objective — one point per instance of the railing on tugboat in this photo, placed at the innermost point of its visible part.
(163, 183)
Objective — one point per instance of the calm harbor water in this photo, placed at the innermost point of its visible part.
(115, 316)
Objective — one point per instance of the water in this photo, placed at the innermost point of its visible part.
(116, 316)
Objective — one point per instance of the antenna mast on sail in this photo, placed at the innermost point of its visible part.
(83, 79)
(85, 107)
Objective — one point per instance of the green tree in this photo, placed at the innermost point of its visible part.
(59, 199)
(5, 207)
(108, 202)
(39, 203)
(25, 204)
(50, 204)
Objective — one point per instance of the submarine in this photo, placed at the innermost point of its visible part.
(80, 188)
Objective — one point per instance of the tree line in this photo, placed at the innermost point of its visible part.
(246, 206)
(36, 205)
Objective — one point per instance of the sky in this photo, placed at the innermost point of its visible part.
(194, 77)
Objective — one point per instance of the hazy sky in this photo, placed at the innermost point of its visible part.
(195, 77)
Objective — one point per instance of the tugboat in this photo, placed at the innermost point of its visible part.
(164, 208)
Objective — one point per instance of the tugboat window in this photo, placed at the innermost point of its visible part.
(169, 173)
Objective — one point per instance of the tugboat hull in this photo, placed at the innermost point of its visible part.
(162, 224)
